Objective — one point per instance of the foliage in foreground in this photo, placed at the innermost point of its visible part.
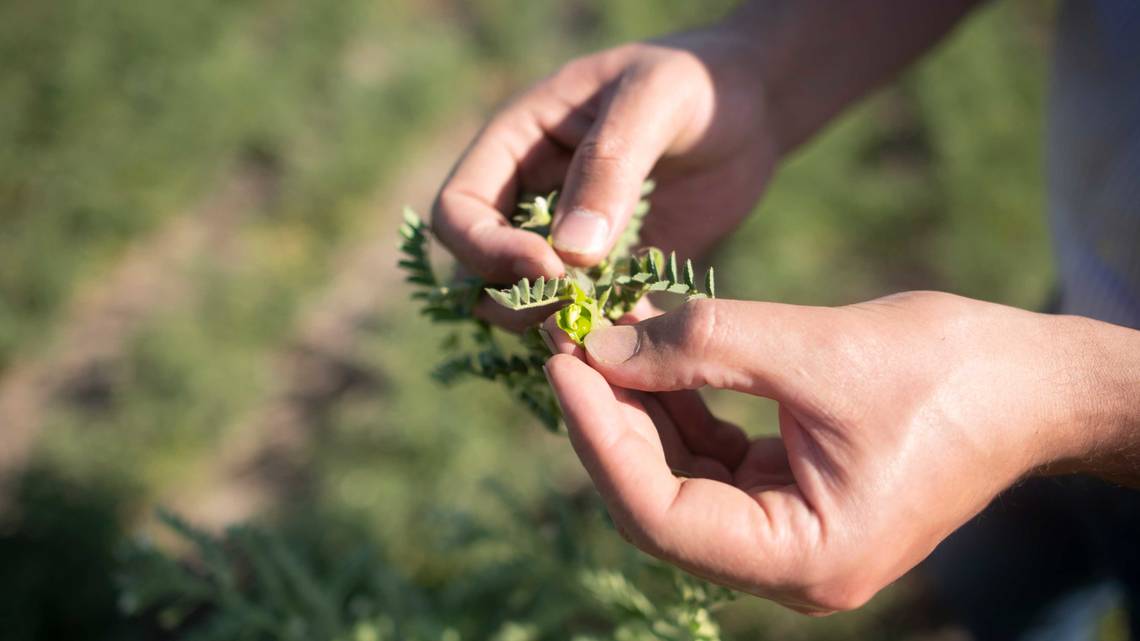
(527, 579)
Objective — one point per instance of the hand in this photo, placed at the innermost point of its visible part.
(689, 108)
(900, 419)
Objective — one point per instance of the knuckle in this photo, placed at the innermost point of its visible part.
(699, 319)
(470, 243)
(440, 206)
(950, 305)
(677, 64)
(610, 151)
(640, 539)
(948, 312)
(668, 73)
(448, 229)
(575, 72)
(644, 533)
(636, 535)
(649, 543)
(941, 301)
(442, 209)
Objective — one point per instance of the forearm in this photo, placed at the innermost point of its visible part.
(815, 57)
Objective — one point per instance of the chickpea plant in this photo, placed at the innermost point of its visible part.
(589, 296)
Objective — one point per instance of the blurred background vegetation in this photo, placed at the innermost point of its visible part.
(199, 307)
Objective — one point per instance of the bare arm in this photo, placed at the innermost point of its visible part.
(816, 57)
(709, 112)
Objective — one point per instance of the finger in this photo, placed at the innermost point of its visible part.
(635, 126)
(681, 459)
(708, 527)
(468, 215)
(704, 434)
(638, 489)
(701, 433)
(765, 466)
(665, 410)
(559, 341)
(748, 347)
(521, 148)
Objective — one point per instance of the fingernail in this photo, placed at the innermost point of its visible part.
(546, 372)
(548, 339)
(581, 232)
(613, 345)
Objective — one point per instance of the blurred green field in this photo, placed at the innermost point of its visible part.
(118, 120)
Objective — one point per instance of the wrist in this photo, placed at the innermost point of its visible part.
(1100, 434)
(762, 35)
(814, 58)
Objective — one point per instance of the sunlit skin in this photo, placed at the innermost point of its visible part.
(708, 112)
(900, 418)
(595, 129)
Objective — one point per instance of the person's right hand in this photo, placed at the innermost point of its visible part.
(899, 418)
(689, 108)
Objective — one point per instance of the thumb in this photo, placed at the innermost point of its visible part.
(744, 346)
(603, 183)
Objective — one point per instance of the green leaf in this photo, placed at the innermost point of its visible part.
(523, 295)
(578, 293)
(411, 218)
(604, 297)
(502, 298)
(412, 247)
(657, 262)
(606, 279)
(710, 283)
(671, 268)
